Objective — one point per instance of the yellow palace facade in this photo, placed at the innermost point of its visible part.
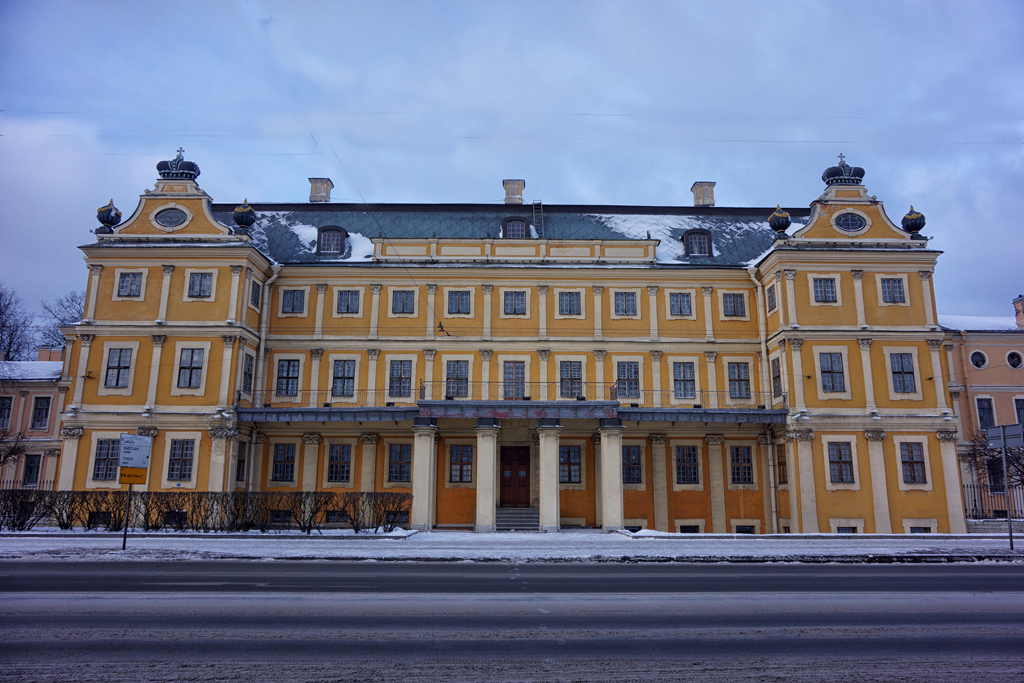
(695, 369)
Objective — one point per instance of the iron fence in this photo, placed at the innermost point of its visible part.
(993, 502)
(26, 484)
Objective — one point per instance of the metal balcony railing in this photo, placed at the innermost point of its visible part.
(325, 399)
(707, 400)
(567, 390)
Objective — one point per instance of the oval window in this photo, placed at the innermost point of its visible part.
(850, 222)
(1014, 360)
(978, 359)
(171, 218)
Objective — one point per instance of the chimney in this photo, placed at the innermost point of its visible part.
(320, 189)
(703, 193)
(513, 191)
(51, 353)
(1018, 310)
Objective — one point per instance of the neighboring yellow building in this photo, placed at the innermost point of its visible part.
(686, 369)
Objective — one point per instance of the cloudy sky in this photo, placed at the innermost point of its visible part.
(589, 101)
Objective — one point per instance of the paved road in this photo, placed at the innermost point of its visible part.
(365, 621)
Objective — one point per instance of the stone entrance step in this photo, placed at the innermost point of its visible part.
(517, 519)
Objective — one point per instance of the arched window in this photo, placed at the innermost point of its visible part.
(516, 228)
(697, 243)
(331, 240)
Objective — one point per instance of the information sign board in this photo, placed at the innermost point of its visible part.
(134, 458)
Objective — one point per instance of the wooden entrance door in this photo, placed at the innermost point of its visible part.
(515, 476)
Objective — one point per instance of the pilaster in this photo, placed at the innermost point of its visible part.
(659, 481)
(548, 472)
(486, 476)
(716, 480)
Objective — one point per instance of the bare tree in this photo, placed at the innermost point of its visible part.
(64, 310)
(16, 338)
(987, 463)
(13, 445)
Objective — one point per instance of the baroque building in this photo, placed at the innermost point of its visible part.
(679, 368)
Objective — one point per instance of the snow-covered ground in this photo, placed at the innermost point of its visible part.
(570, 546)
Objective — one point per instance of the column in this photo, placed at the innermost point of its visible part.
(236, 274)
(83, 367)
(808, 492)
(69, 459)
(371, 376)
(926, 297)
(950, 473)
(794, 492)
(869, 378)
(598, 313)
(314, 380)
(596, 440)
(709, 321)
(225, 369)
(791, 298)
(94, 288)
(656, 378)
(310, 460)
(487, 311)
(937, 377)
(374, 310)
(542, 310)
(318, 326)
(781, 303)
(431, 294)
(879, 486)
(485, 374)
(798, 374)
(486, 473)
(716, 479)
(256, 469)
(368, 467)
(428, 377)
(712, 391)
(601, 394)
(768, 484)
(611, 473)
(543, 394)
(858, 293)
(424, 462)
(652, 300)
(547, 430)
(219, 439)
(659, 481)
(154, 371)
(165, 292)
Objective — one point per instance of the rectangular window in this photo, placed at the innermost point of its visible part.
(515, 379)
(30, 475)
(348, 301)
(108, 454)
(832, 372)
(776, 377)
(625, 303)
(255, 293)
(403, 301)
(293, 301)
(400, 462)
(458, 303)
(902, 365)
(284, 462)
(742, 467)
(920, 529)
(515, 230)
(400, 384)
(241, 462)
(179, 465)
(41, 412)
(569, 303)
(631, 472)
(739, 380)
(339, 464)
(570, 377)
(5, 411)
(248, 367)
(840, 463)
(344, 378)
(846, 529)
(912, 456)
(200, 285)
(683, 383)
(288, 378)
(994, 475)
(679, 303)
(733, 305)
(689, 528)
(119, 363)
(569, 465)
(456, 383)
(986, 415)
(892, 291)
(129, 285)
(825, 289)
(461, 464)
(686, 465)
(782, 472)
(629, 379)
(190, 369)
(1018, 405)
(515, 303)
(697, 245)
(772, 303)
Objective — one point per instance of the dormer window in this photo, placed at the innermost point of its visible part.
(516, 229)
(331, 241)
(697, 243)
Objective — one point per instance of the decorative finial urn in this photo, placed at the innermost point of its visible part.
(244, 217)
(779, 221)
(108, 216)
(913, 222)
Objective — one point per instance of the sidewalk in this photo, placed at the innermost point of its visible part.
(568, 546)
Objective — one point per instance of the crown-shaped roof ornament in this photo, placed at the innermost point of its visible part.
(178, 167)
(843, 174)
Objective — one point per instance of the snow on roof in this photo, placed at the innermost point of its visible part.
(30, 370)
(978, 322)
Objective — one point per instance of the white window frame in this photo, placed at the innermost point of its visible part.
(616, 359)
(851, 439)
(472, 301)
(348, 288)
(305, 301)
(836, 522)
(668, 304)
(353, 444)
(103, 390)
(755, 457)
(1006, 359)
(931, 523)
(612, 291)
(197, 458)
(557, 372)
(91, 483)
(390, 301)
(248, 292)
(775, 288)
(500, 372)
(823, 395)
(699, 523)
(918, 378)
(331, 357)
(470, 373)
(847, 233)
(756, 523)
(213, 285)
(175, 390)
(670, 380)
(414, 391)
(811, 277)
(163, 228)
(923, 440)
(721, 305)
(893, 276)
(142, 287)
(971, 352)
(446, 454)
(995, 411)
(752, 373)
(269, 459)
(701, 472)
(643, 444)
(582, 291)
(501, 303)
(272, 372)
(386, 479)
(582, 485)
